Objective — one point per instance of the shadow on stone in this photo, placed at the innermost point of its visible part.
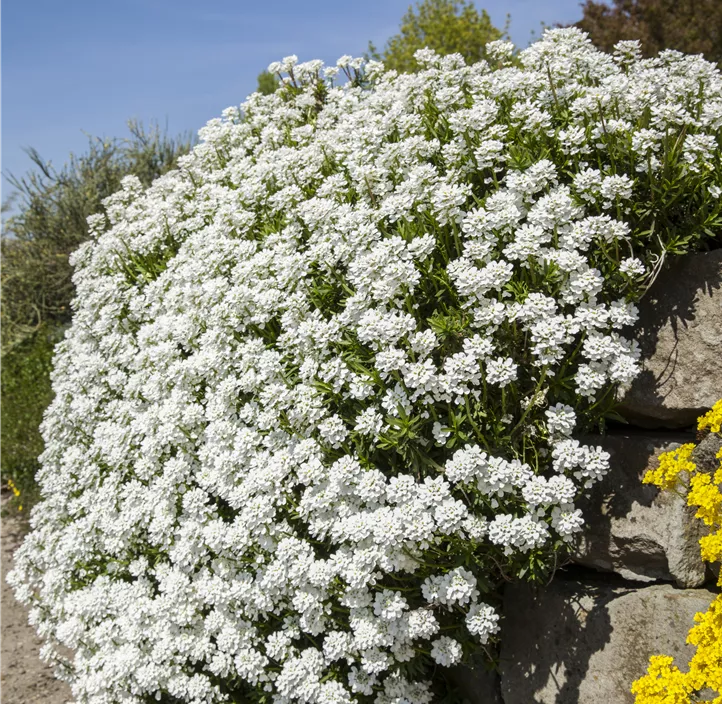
(632, 528)
(680, 335)
(475, 684)
(587, 637)
(550, 635)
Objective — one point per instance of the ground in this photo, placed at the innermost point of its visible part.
(25, 679)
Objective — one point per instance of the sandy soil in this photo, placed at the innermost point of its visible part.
(24, 678)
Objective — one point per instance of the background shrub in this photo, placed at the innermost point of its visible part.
(691, 26)
(26, 394)
(446, 26)
(51, 221)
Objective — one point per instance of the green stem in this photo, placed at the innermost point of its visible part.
(531, 402)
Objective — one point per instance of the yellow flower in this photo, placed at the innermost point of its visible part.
(712, 419)
(13, 488)
(664, 683)
(707, 497)
(671, 465)
(16, 491)
(706, 664)
(711, 548)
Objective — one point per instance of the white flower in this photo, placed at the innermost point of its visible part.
(369, 422)
(361, 682)
(333, 431)
(568, 454)
(440, 434)
(561, 419)
(389, 605)
(482, 621)
(422, 624)
(566, 522)
(632, 267)
(465, 464)
(333, 693)
(461, 587)
(446, 651)
(500, 49)
(501, 371)
(523, 533)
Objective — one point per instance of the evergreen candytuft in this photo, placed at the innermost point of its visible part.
(319, 396)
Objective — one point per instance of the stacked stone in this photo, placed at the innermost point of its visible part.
(636, 579)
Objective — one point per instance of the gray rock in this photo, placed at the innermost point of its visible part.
(634, 529)
(705, 454)
(680, 335)
(585, 643)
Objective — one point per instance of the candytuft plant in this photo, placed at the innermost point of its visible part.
(318, 398)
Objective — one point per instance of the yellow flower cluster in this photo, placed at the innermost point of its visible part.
(16, 492)
(671, 465)
(712, 420)
(705, 494)
(665, 683)
(706, 664)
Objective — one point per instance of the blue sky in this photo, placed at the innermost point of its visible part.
(89, 65)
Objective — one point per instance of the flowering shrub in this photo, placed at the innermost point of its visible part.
(318, 397)
(664, 683)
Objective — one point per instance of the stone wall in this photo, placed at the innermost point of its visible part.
(637, 579)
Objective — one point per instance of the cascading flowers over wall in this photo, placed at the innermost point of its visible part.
(319, 394)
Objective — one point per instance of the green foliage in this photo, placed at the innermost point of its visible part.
(691, 26)
(267, 83)
(446, 26)
(51, 222)
(26, 393)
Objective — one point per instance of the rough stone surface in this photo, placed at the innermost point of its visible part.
(586, 642)
(633, 529)
(705, 454)
(680, 335)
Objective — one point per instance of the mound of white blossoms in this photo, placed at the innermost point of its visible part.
(318, 395)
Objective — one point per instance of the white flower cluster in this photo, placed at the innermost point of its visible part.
(321, 371)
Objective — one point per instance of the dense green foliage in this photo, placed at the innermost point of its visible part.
(25, 396)
(691, 26)
(267, 83)
(446, 26)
